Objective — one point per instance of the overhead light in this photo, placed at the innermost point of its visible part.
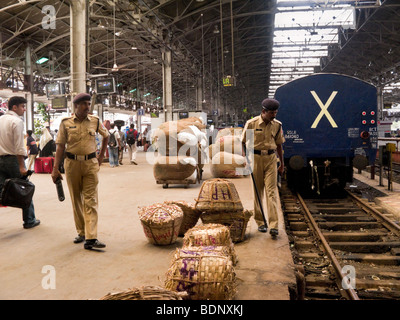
(216, 30)
(42, 60)
(134, 48)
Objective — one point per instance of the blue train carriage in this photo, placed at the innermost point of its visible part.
(329, 122)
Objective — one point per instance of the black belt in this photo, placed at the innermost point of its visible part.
(7, 155)
(264, 152)
(80, 157)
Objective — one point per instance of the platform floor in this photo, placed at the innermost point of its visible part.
(390, 202)
(264, 270)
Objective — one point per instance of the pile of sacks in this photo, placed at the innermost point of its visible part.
(226, 156)
(181, 147)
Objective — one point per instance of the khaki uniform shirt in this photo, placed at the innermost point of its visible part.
(79, 136)
(266, 136)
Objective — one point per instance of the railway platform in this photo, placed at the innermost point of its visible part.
(264, 270)
(391, 199)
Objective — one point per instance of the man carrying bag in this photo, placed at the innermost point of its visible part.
(13, 152)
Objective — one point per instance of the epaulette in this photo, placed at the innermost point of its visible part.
(66, 118)
(96, 118)
(254, 119)
(278, 121)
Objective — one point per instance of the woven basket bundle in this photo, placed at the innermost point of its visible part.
(235, 221)
(218, 195)
(210, 235)
(203, 274)
(161, 222)
(145, 293)
(190, 215)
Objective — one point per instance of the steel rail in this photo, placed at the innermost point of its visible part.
(378, 216)
(350, 292)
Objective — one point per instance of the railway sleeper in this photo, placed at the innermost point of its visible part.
(365, 247)
(336, 226)
(369, 236)
(343, 218)
(377, 259)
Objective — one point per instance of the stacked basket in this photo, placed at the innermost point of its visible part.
(219, 202)
(226, 154)
(161, 222)
(203, 268)
(181, 151)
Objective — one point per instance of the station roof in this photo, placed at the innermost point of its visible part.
(261, 44)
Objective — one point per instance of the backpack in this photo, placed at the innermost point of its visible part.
(112, 142)
(130, 137)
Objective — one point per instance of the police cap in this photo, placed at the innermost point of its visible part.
(270, 104)
(81, 97)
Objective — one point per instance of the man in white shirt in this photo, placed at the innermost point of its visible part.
(13, 151)
(114, 145)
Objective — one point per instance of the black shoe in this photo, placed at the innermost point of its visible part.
(274, 233)
(262, 228)
(93, 243)
(32, 225)
(79, 239)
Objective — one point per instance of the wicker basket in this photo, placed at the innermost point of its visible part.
(161, 222)
(202, 274)
(145, 293)
(235, 221)
(210, 235)
(190, 215)
(218, 195)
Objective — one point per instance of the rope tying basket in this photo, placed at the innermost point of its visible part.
(235, 221)
(202, 273)
(161, 222)
(218, 195)
(190, 215)
(145, 293)
(210, 235)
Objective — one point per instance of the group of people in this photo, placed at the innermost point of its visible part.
(76, 143)
(46, 146)
(118, 141)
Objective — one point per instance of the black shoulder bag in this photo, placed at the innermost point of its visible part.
(17, 192)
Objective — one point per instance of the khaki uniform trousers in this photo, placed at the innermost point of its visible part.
(265, 175)
(82, 180)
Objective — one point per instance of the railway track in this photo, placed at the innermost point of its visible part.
(343, 248)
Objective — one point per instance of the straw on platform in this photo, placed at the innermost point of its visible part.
(145, 293)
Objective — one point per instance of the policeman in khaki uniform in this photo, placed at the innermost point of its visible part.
(76, 136)
(268, 140)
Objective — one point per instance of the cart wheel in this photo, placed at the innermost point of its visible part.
(165, 186)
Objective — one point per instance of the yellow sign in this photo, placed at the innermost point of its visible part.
(324, 109)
